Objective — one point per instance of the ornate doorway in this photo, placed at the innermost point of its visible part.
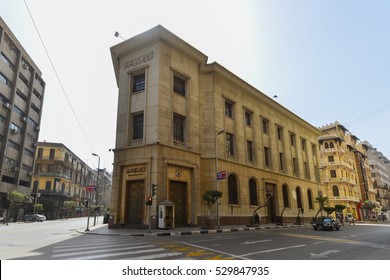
(135, 202)
(178, 195)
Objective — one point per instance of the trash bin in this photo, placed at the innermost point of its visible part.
(106, 218)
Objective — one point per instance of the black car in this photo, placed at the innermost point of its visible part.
(326, 223)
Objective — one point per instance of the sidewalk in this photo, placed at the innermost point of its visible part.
(103, 229)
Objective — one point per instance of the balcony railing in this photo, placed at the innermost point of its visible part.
(54, 174)
(344, 198)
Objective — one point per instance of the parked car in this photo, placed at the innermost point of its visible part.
(326, 223)
(39, 217)
(34, 217)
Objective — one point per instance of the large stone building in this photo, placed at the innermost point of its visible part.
(346, 170)
(181, 118)
(21, 100)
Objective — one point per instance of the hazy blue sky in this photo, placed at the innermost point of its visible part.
(325, 60)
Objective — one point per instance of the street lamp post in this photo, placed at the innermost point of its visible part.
(219, 132)
(97, 185)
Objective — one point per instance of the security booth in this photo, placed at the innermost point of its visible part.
(166, 215)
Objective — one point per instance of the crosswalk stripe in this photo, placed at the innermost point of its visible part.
(102, 256)
(93, 252)
(82, 247)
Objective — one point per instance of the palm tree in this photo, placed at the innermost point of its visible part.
(322, 200)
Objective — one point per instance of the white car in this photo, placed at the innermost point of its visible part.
(39, 217)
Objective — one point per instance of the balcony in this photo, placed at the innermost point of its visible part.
(339, 180)
(339, 164)
(54, 174)
(344, 198)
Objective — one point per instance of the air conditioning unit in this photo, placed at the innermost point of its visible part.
(7, 105)
(14, 131)
(16, 169)
(30, 173)
(37, 127)
(23, 118)
(25, 66)
(34, 144)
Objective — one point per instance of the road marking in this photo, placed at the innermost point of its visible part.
(155, 256)
(254, 242)
(323, 254)
(215, 251)
(92, 252)
(101, 256)
(273, 250)
(337, 240)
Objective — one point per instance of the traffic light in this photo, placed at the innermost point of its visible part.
(149, 201)
(154, 189)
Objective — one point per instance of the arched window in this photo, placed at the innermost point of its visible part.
(286, 203)
(331, 145)
(310, 199)
(326, 146)
(335, 191)
(253, 192)
(233, 189)
(299, 197)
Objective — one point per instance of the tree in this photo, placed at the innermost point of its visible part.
(322, 200)
(15, 199)
(70, 205)
(211, 197)
(339, 209)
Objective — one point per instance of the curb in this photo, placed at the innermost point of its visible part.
(190, 232)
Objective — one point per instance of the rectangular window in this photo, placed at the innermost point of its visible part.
(249, 148)
(330, 158)
(40, 153)
(265, 125)
(333, 173)
(229, 108)
(279, 131)
(139, 83)
(281, 161)
(230, 144)
(5, 80)
(295, 167)
(52, 154)
(179, 85)
(178, 128)
(138, 126)
(4, 58)
(303, 144)
(306, 170)
(267, 157)
(292, 139)
(248, 118)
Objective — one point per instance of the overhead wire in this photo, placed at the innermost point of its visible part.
(368, 116)
(58, 77)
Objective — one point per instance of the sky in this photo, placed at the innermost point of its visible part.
(326, 61)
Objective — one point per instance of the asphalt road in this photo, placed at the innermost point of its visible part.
(59, 240)
(359, 242)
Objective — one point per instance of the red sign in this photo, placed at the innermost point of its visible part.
(91, 188)
(221, 175)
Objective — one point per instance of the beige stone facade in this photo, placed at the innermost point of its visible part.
(180, 117)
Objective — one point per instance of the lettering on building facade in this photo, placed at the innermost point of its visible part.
(139, 60)
(135, 171)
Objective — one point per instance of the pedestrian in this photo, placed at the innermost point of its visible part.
(257, 219)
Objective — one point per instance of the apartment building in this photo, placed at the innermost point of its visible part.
(60, 175)
(346, 171)
(380, 165)
(21, 99)
(181, 119)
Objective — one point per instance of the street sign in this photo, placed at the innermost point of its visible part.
(221, 175)
(91, 188)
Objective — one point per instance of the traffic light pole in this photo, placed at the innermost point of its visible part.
(87, 205)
